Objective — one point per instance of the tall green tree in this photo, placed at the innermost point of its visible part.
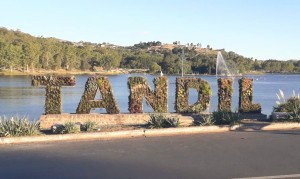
(11, 56)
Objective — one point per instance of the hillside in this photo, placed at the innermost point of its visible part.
(25, 53)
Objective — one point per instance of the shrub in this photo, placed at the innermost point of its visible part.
(225, 118)
(71, 127)
(207, 120)
(290, 106)
(67, 128)
(89, 126)
(16, 126)
(156, 120)
(171, 122)
(159, 120)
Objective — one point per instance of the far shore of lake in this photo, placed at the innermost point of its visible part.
(7, 72)
(15, 72)
(61, 72)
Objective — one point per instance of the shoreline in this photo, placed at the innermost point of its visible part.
(61, 72)
(109, 72)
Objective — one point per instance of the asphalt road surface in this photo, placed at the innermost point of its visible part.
(214, 155)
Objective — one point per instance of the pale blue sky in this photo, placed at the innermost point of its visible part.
(262, 29)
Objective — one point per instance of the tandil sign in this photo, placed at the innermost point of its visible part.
(139, 89)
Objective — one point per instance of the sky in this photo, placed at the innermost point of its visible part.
(261, 29)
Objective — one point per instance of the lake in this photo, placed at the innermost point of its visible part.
(17, 96)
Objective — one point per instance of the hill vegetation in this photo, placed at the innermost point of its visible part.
(25, 53)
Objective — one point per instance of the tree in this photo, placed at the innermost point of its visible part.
(21, 50)
(256, 65)
(57, 61)
(11, 56)
(2, 52)
(30, 55)
(69, 60)
(45, 59)
(171, 64)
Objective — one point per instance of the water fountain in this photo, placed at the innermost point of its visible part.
(223, 69)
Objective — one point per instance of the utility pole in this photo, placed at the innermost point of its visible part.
(182, 58)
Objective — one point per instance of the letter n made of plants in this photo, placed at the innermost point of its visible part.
(139, 88)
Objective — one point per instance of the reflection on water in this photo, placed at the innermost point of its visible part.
(18, 97)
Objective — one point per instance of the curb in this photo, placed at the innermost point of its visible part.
(187, 130)
(266, 126)
(150, 132)
(65, 137)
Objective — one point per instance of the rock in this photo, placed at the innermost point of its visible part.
(279, 115)
(58, 129)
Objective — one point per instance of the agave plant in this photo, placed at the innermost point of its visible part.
(156, 120)
(171, 122)
(159, 120)
(71, 127)
(89, 126)
(208, 120)
(16, 126)
(226, 118)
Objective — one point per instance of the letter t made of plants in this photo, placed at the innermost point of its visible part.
(53, 101)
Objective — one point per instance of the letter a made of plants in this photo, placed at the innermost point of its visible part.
(88, 101)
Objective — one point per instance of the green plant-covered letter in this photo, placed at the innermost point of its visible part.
(53, 80)
(182, 95)
(225, 91)
(246, 97)
(88, 101)
(53, 102)
(139, 88)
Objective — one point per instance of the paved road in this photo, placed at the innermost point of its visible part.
(220, 155)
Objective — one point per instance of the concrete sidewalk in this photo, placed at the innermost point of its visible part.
(245, 126)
